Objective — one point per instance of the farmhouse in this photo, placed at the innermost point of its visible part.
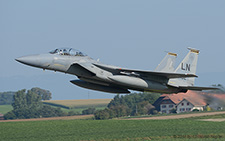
(182, 102)
(189, 104)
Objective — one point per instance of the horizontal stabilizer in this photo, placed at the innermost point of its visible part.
(195, 88)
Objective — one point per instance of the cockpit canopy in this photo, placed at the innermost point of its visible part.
(67, 51)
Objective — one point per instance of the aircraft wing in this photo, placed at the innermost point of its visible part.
(81, 68)
(144, 73)
(196, 88)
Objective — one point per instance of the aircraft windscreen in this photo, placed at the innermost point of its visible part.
(67, 51)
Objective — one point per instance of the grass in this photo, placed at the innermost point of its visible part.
(219, 116)
(112, 130)
(84, 103)
(5, 109)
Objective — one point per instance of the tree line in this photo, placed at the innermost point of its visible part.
(28, 104)
(6, 98)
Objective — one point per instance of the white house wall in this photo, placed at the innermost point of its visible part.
(183, 106)
(166, 108)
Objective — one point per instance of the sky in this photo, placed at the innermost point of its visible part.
(126, 33)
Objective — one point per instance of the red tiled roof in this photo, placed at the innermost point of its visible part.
(195, 98)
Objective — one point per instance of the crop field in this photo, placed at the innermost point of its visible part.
(5, 108)
(178, 129)
(84, 103)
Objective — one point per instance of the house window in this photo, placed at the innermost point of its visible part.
(163, 106)
(188, 109)
(182, 104)
(170, 106)
(188, 103)
(163, 111)
(182, 109)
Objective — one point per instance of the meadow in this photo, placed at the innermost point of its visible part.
(83, 103)
(178, 129)
(5, 108)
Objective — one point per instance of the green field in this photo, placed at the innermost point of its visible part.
(112, 130)
(5, 108)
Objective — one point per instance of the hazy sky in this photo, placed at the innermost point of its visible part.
(127, 33)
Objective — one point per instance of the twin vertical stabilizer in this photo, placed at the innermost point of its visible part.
(187, 66)
(168, 63)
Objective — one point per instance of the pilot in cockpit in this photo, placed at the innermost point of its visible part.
(68, 51)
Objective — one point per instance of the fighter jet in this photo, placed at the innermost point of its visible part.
(95, 75)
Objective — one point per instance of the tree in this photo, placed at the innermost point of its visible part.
(45, 94)
(151, 97)
(29, 105)
(20, 101)
(119, 110)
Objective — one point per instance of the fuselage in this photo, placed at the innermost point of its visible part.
(94, 75)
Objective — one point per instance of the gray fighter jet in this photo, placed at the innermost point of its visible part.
(112, 79)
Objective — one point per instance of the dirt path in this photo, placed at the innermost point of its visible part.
(52, 118)
(180, 116)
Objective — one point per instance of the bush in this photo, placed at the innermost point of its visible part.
(195, 110)
(9, 115)
(102, 114)
(88, 111)
(155, 112)
(173, 111)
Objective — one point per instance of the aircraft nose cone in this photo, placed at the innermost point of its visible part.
(28, 60)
